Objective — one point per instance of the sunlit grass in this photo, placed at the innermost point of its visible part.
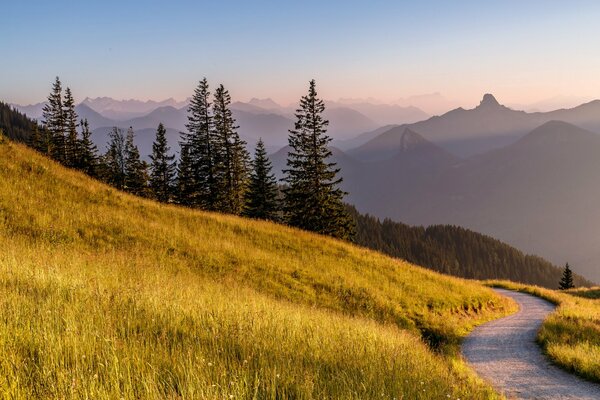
(104, 295)
(571, 335)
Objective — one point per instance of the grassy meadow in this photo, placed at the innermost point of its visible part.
(104, 295)
(570, 336)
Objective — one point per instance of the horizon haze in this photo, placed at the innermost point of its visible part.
(534, 55)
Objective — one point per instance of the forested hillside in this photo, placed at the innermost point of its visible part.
(456, 251)
(14, 124)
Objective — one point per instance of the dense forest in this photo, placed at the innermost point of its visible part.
(15, 125)
(456, 251)
(448, 249)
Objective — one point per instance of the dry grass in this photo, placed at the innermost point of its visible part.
(103, 295)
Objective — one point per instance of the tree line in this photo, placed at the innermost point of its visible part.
(214, 171)
(458, 251)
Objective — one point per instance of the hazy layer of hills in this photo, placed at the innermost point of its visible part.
(258, 118)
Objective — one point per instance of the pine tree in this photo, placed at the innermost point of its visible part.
(313, 198)
(114, 160)
(54, 122)
(88, 152)
(136, 171)
(203, 183)
(566, 282)
(231, 155)
(71, 141)
(38, 140)
(262, 190)
(162, 167)
(185, 177)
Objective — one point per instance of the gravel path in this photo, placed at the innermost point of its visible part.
(505, 354)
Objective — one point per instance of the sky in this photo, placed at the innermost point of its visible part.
(521, 51)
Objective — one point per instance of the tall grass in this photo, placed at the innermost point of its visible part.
(570, 336)
(103, 295)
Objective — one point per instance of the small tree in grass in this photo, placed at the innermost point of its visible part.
(262, 189)
(566, 281)
(162, 168)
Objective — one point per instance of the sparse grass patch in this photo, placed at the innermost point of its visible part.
(570, 336)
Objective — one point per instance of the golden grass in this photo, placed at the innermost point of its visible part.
(104, 295)
(570, 336)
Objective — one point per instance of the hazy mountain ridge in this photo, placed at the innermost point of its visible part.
(539, 194)
(488, 126)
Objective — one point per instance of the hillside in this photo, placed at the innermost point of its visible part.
(16, 126)
(456, 251)
(133, 299)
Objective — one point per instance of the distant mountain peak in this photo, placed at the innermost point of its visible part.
(267, 103)
(411, 139)
(488, 101)
(558, 134)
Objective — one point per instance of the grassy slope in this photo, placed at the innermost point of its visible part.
(570, 336)
(105, 295)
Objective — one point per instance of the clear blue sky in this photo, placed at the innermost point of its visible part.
(520, 50)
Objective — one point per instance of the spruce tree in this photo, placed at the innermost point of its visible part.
(71, 141)
(114, 160)
(162, 167)
(313, 199)
(185, 177)
(566, 282)
(136, 171)
(203, 184)
(38, 139)
(88, 152)
(231, 155)
(262, 189)
(54, 122)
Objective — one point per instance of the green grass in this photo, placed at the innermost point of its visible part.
(570, 336)
(104, 295)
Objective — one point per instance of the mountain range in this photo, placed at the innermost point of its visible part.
(257, 118)
(488, 126)
(539, 194)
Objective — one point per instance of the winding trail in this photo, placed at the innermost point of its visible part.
(505, 354)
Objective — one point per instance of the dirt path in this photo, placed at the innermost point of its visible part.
(505, 354)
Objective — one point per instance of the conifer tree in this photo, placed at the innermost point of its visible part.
(313, 200)
(566, 281)
(162, 167)
(114, 160)
(262, 189)
(38, 139)
(136, 171)
(185, 178)
(203, 184)
(231, 155)
(88, 152)
(71, 141)
(54, 122)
